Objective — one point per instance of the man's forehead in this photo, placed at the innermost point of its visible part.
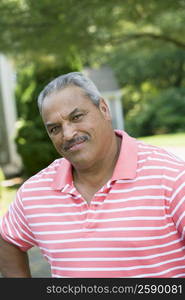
(69, 94)
(68, 90)
(64, 106)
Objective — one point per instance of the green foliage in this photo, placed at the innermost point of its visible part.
(33, 143)
(161, 114)
(66, 27)
(138, 63)
(34, 146)
(143, 40)
(152, 78)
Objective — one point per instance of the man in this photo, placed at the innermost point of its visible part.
(112, 206)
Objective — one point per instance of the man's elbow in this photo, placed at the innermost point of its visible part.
(13, 261)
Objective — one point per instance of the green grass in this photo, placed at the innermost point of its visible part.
(168, 140)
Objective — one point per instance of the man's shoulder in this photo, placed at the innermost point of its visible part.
(156, 153)
(47, 174)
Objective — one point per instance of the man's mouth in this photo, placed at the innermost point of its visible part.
(75, 144)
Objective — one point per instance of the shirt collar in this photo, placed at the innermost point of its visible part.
(125, 167)
(63, 177)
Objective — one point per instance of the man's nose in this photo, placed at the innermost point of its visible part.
(69, 131)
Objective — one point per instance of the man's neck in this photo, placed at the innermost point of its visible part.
(100, 173)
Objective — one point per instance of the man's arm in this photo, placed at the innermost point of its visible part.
(13, 262)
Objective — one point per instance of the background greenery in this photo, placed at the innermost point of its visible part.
(142, 40)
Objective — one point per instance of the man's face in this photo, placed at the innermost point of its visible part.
(79, 130)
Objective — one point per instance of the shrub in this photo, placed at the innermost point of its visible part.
(163, 113)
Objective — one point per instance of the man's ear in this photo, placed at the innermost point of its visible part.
(103, 107)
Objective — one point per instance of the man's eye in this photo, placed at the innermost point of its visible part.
(77, 117)
(54, 129)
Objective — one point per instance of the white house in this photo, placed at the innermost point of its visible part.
(9, 159)
(106, 82)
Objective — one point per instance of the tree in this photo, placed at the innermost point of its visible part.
(80, 27)
(150, 74)
(144, 41)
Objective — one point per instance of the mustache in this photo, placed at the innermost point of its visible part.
(74, 141)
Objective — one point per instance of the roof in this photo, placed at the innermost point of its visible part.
(103, 78)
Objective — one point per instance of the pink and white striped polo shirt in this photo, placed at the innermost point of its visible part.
(133, 227)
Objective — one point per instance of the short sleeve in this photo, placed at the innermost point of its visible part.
(14, 227)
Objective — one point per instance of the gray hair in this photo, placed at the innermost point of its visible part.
(70, 79)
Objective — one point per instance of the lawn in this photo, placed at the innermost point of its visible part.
(166, 140)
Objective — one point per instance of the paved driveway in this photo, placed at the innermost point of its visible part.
(38, 264)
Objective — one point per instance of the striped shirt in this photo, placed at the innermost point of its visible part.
(133, 227)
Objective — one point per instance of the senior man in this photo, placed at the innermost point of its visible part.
(112, 206)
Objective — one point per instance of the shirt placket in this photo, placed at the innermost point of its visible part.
(96, 205)
(76, 197)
